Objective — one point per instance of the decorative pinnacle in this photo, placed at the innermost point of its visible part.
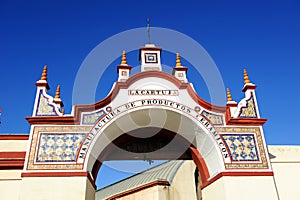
(57, 93)
(229, 98)
(124, 62)
(44, 74)
(246, 78)
(178, 62)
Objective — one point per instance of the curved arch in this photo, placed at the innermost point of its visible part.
(205, 149)
(190, 151)
(200, 163)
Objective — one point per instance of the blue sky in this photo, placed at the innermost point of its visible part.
(260, 35)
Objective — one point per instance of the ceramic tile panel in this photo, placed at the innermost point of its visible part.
(51, 149)
(44, 108)
(245, 146)
(62, 147)
(242, 147)
(248, 111)
(92, 118)
(213, 118)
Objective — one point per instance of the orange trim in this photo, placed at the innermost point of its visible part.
(97, 165)
(124, 67)
(247, 121)
(53, 174)
(247, 87)
(12, 164)
(12, 160)
(150, 48)
(142, 187)
(243, 121)
(122, 85)
(53, 120)
(180, 69)
(200, 163)
(229, 104)
(16, 155)
(13, 137)
(92, 181)
(227, 114)
(221, 174)
(43, 84)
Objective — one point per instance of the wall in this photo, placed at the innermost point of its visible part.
(183, 185)
(13, 145)
(10, 184)
(11, 166)
(241, 188)
(49, 188)
(285, 161)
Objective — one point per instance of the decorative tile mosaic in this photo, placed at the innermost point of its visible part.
(248, 111)
(242, 147)
(34, 147)
(213, 118)
(44, 108)
(262, 163)
(55, 147)
(92, 118)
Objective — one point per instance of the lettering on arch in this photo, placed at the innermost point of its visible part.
(147, 103)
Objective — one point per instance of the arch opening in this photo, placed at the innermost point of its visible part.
(179, 137)
(156, 147)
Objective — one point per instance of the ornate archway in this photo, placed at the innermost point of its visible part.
(178, 137)
(67, 149)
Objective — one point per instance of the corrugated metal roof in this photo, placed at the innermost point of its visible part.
(165, 171)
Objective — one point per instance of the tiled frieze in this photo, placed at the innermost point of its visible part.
(213, 118)
(61, 147)
(249, 110)
(56, 147)
(245, 146)
(92, 118)
(44, 108)
(242, 147)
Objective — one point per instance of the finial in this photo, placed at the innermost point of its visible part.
(229, 98)
(178, 62)
(124, 62)
(246, 78)
(57, 93)
(44, 74)
(148, 29)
